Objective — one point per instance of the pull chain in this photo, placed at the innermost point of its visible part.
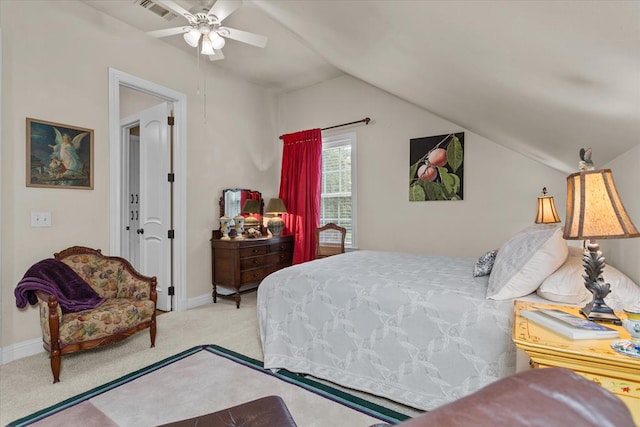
(201, 73)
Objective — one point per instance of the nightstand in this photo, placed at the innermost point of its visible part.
(239, 265)
(593, 359)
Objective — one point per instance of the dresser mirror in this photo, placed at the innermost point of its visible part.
(233, 200)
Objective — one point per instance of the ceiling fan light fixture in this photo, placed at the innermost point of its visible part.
(192, 37)
(205, 30)
(207, 47)
(216, 41)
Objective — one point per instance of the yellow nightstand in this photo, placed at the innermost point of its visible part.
(594, 359)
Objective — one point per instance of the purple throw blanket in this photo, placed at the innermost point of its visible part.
(58, 279)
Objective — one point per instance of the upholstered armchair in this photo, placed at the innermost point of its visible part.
(129, 306)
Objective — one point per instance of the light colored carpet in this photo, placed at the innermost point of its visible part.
(26, 384)
(196, 385)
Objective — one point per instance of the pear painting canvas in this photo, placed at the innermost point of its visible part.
(436, 167)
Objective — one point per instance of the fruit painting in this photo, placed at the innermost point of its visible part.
(436, 167)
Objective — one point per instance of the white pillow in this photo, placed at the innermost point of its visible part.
(566, 285)
(576, 251)
(525, 261)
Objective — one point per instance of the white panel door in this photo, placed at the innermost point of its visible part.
(155, 204)
(133, 200)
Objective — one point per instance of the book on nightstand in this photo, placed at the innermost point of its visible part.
(574, 327)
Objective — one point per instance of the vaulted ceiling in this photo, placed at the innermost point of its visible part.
(543, 78)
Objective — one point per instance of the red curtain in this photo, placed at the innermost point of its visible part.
(300, 181)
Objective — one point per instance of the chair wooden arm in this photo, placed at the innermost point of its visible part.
(53, 315)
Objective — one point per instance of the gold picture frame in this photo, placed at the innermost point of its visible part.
(59, 155)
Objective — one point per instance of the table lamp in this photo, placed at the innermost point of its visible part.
(595, 211)
(547, 213)
(275, 223)
(251, 207)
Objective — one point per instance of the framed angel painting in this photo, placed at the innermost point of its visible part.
(59, 155)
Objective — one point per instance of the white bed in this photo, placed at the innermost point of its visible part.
(416, 329)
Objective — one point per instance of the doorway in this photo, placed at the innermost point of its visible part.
(131, 182)
(118, 172)
(147, 197)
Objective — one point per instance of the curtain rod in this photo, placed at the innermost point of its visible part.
(366, 121)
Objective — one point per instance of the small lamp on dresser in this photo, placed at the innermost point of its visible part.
(595, 211)
(251, 207)
(275, 224)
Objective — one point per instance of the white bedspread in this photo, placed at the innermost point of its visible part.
(413, 328)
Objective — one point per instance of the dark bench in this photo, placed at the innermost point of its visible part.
(267, 411)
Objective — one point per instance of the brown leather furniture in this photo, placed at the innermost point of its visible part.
(269, 411)
(547, 397)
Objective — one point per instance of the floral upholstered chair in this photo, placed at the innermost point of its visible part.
(129, 306)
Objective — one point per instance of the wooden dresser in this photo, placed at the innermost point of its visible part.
(240, 265)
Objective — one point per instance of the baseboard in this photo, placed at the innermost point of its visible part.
(34, 346)
(199, 301)
(19, 350)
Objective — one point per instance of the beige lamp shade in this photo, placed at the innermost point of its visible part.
(547, 213)
(250, 206)
(275, 206)
(594, 208)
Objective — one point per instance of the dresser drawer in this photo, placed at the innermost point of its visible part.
(281, 247)
(257, 274)
(254, 262)
(265, 260)
(253, 251)
(283, 258)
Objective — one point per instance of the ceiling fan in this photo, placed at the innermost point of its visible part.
(205, 28)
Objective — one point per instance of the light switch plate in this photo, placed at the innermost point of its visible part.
(41, 219)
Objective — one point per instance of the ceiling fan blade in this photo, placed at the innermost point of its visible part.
(175, 7)
(168, 32)
(243, 36)
(223, 8)
(217, 56)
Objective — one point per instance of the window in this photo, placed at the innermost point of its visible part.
(338, 198)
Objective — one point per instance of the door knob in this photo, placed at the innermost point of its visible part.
(140, 231)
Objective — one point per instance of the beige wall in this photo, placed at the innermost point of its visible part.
(500, 186)
(625, 253)
(55, 58)
(133, 101)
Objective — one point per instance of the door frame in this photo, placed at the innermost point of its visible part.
(119, 79)
(126, 125)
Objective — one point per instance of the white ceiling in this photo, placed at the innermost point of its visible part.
(541, 77)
